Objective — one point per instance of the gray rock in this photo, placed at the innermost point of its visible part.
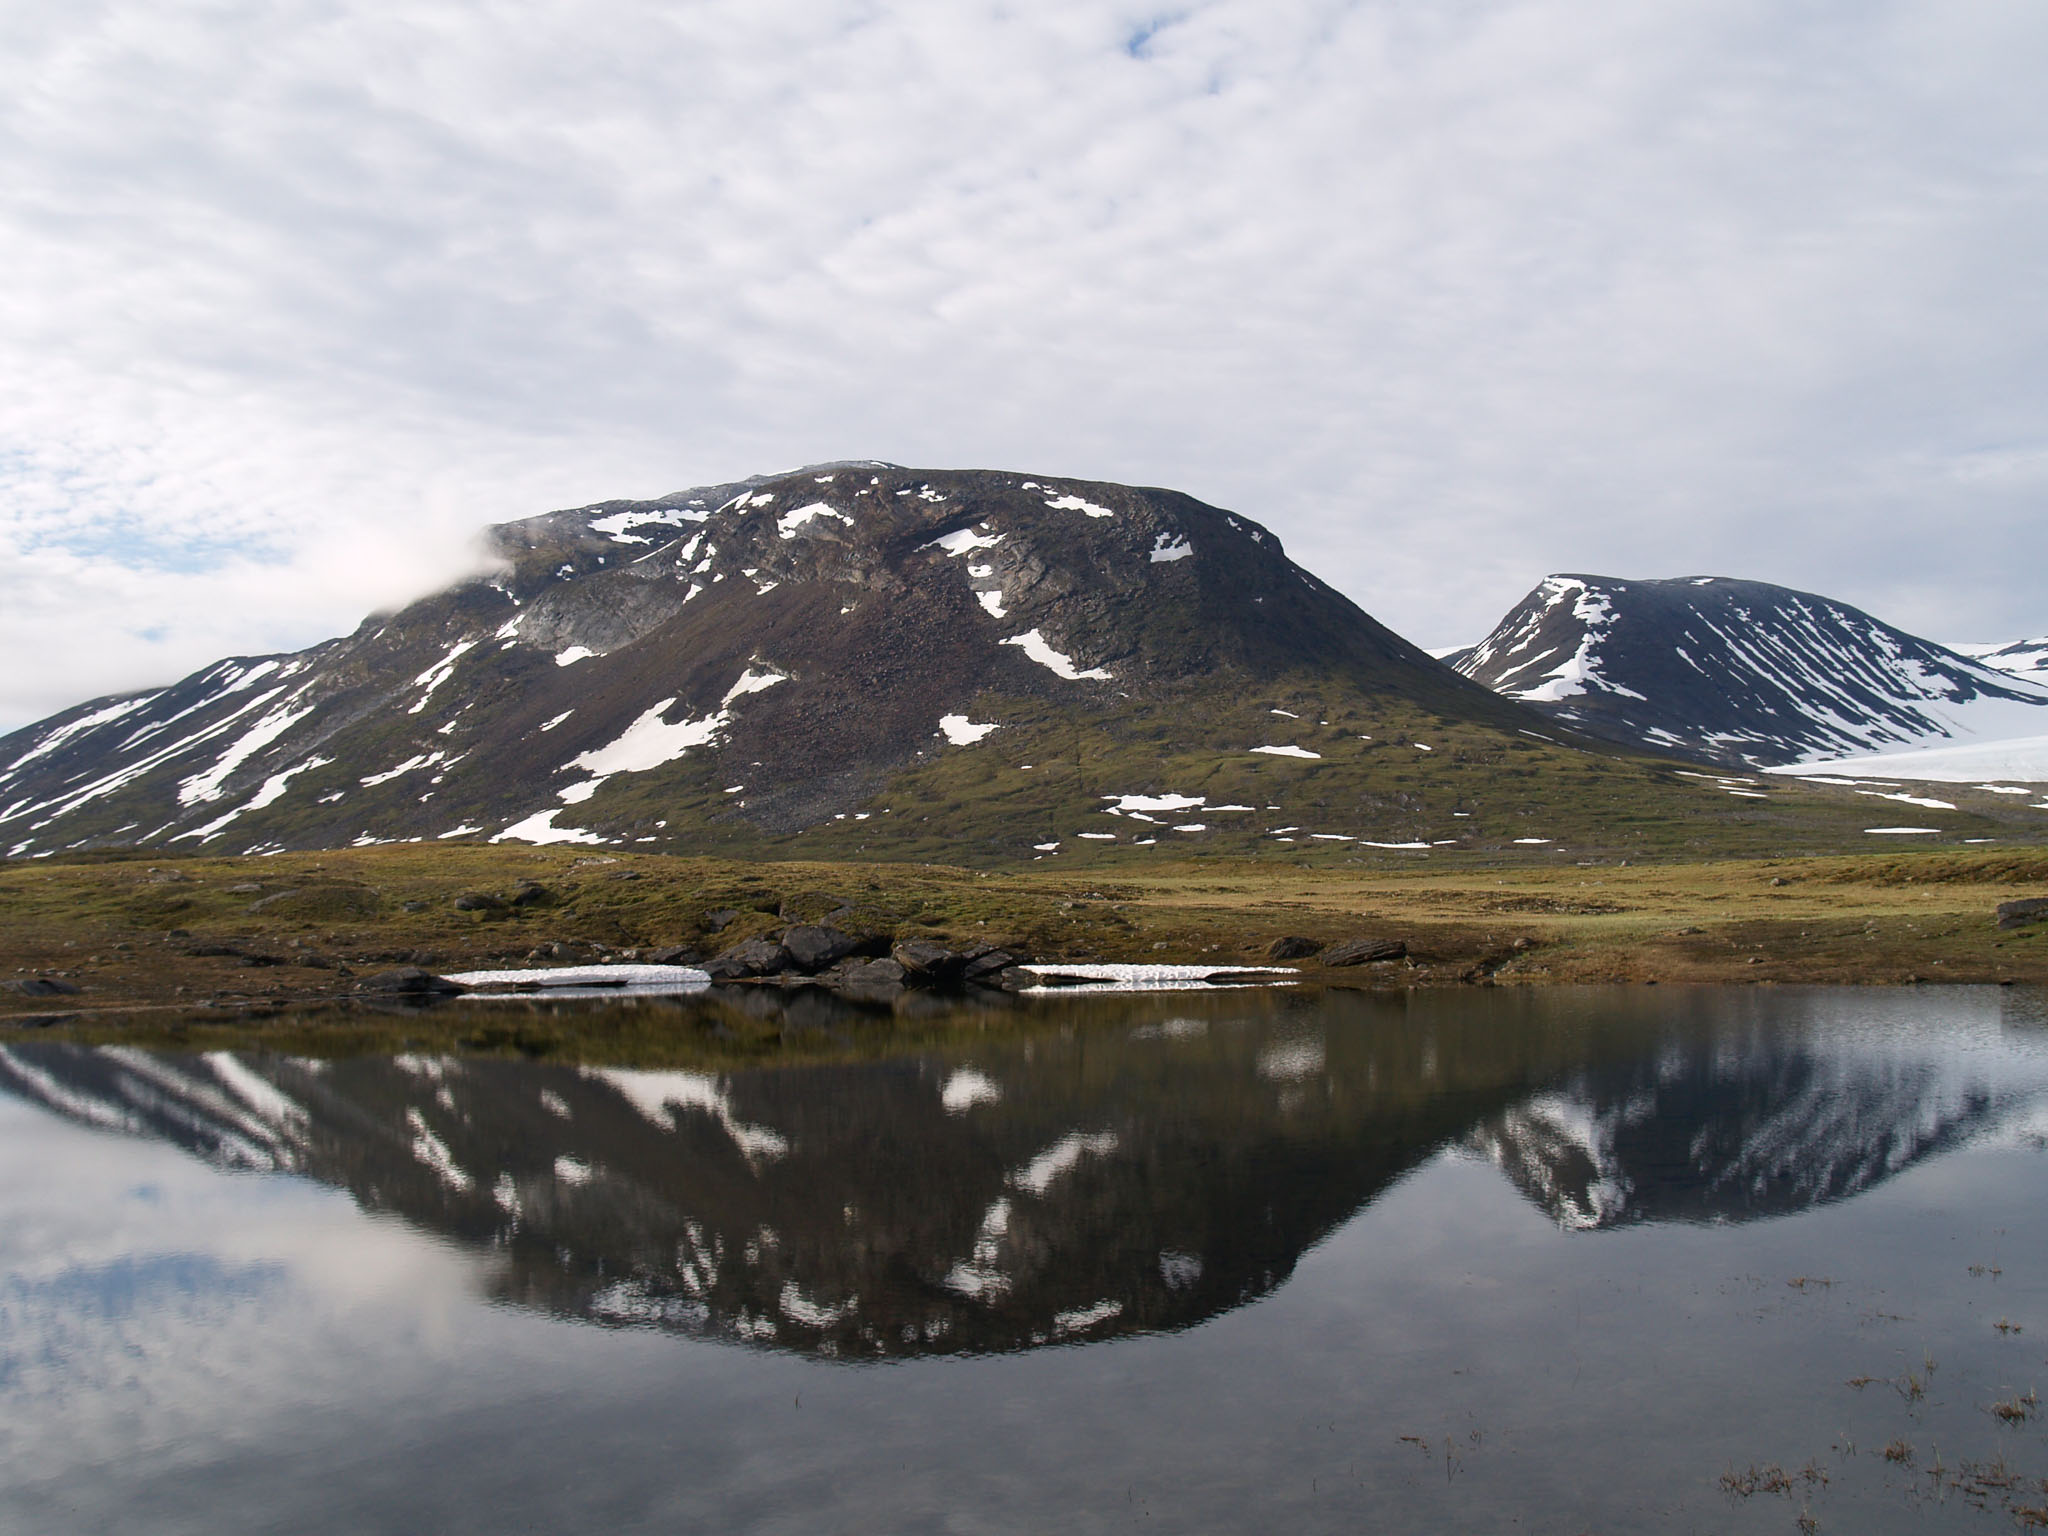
(1293, 947)
(2017, 914)
(1363, 951)
(39, 986)
(531, 893)
(721, 919)
(478, 901)
(750, 957)
(813, 947)
(869, 973)
(674, 954)
(410, 981)
(927, 961)
(984, 965)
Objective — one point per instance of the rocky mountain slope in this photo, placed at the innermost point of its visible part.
(864, 658)
(1741, 673)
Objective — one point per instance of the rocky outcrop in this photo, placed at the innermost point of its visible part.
(2017, 914)
(1364, 951)
(410, 981)
(816, 955)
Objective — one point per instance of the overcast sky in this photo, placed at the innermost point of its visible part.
(294, 297)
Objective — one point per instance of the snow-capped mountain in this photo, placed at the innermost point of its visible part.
(856, 653)
(2022, 658)
(1742, 672)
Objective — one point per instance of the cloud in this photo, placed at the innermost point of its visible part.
(1450, 296)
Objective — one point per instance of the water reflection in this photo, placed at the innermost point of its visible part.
(1086, 1170)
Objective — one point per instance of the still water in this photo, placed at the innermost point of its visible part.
(1590, 1260)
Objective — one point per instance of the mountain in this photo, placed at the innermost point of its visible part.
(869, 658)
(1741, 673)
(2022, 658)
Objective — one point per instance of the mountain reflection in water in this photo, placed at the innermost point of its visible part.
(1089, 1169)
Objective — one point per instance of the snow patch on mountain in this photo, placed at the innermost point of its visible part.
(2024, 758)
(1077, 504)
(963, 540)
(1034, 645)
(2022, 658)
(962, 732)
(790, 522)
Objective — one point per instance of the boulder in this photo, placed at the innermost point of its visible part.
(866, 981)
(926, 961)
(813, 946)
(478, 901)
(750, 957)
(674, 954)
(39, 986)
(869, 973)
(1293, 947)
(320, 903)
(531, 893)
(410, 981)
(2017, 914)
(720, 919)
(985, 965)
(1363, 951)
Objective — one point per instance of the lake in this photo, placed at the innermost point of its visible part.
(1715, 1259)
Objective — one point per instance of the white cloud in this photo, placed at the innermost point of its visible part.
(1449, 296)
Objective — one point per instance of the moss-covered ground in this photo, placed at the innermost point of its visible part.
(147, 940)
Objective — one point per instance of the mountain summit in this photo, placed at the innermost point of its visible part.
(1740, 672)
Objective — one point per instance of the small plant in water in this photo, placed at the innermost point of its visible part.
(2007, 1325)
(1898, 1451)
(1772, 1478)
(2016, 1409)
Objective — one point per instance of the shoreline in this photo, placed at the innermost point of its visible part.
(229, 937)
